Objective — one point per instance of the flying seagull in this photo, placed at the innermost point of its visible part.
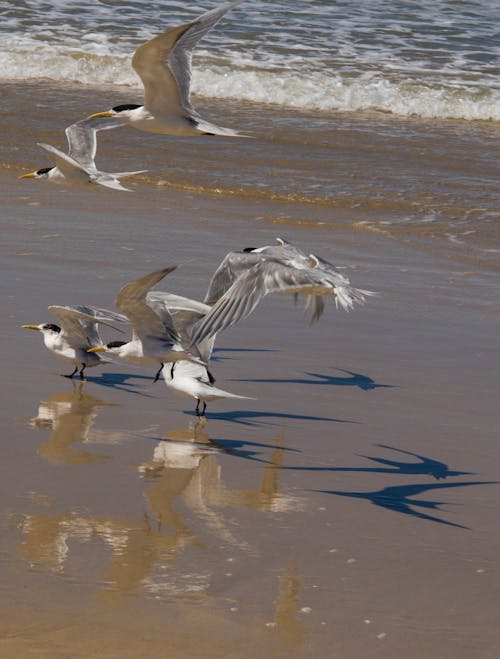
(78, 165)
(164, 67)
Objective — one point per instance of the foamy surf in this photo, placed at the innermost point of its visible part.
(436, 61)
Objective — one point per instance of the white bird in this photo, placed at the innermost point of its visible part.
(164, 67)
(188, 378)
(154, 337)
(78, 165)
(77, 332)
(244, 278)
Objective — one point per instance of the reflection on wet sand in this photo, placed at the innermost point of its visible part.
(185, 502)
(70, 415)
(286, 608)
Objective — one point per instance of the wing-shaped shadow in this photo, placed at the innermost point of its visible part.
(121, 381)
(401, 499)
(353, 380)
(252, 417)
(424, 466)
(218, 357)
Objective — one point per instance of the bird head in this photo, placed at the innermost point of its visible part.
(117, 111)
(112, 347)
(46, 328)
(40, 173)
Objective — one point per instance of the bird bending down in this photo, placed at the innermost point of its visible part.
(76, 334)
(78, 165)
(154, 337)
(244, 278)
(164, 67)
(188, 378)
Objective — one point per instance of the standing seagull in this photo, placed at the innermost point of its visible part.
(164, 66)
(154, 337)
(77, 332)
(184, 377)
(78, 165)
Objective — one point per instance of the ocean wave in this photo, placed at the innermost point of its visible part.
(299, 87)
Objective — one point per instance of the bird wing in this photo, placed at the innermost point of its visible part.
(79, 323)
(268, 276)
(69, 167)
(164, 63)
(231, 267)
(131, 299)
(82, 143)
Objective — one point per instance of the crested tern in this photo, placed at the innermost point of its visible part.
(76, 334)
(78, 165)
(154, 337)
(188, 378)
(164, 67)
(244, 278)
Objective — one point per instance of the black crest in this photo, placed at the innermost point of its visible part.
(123, 108)
(52, 327)
(249, 249)
(115, 344)
(44, 170)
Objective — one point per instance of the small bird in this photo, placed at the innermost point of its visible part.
(154, 337)
(184, 377)
(77, 332)
(194, 381)
(244, 278)
(164, 67)
(78, 165)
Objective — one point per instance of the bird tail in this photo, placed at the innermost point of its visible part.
(347, 296)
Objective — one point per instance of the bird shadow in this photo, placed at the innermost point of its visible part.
(401, 499)
(121, 381)
(217, 357)
(254, 417)
(424, 466)
(353, 380)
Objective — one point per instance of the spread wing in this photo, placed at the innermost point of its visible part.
(164, 63)
(68, 166)
(230, 268)
(131, 300)
(79, 323)
(248, 290)
(82, 142)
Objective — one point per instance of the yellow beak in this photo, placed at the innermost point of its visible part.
(33, 327)
(30, 175)
(97, 115)
(97, 349)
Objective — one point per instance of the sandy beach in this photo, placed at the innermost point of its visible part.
(350, 510)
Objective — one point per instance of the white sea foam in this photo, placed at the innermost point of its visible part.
(435, 61)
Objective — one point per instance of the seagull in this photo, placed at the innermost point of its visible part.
(244, 278)
(78, 165)
(154, 337)
(164, 67)
(184, 377)
(76, 333)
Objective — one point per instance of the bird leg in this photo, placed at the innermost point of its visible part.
(71, 374)
(81, 372)
(157, 376)
(211, 378)
(198, 413)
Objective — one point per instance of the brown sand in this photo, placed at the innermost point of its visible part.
(350, 511)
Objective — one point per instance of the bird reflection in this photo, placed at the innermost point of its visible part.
(286, 608)
(185, 504)
(400, 498)
(70, 415)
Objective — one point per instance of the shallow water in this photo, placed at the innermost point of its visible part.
(434, 59)
(406, 179)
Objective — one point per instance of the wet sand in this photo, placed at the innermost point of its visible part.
(349, 511)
